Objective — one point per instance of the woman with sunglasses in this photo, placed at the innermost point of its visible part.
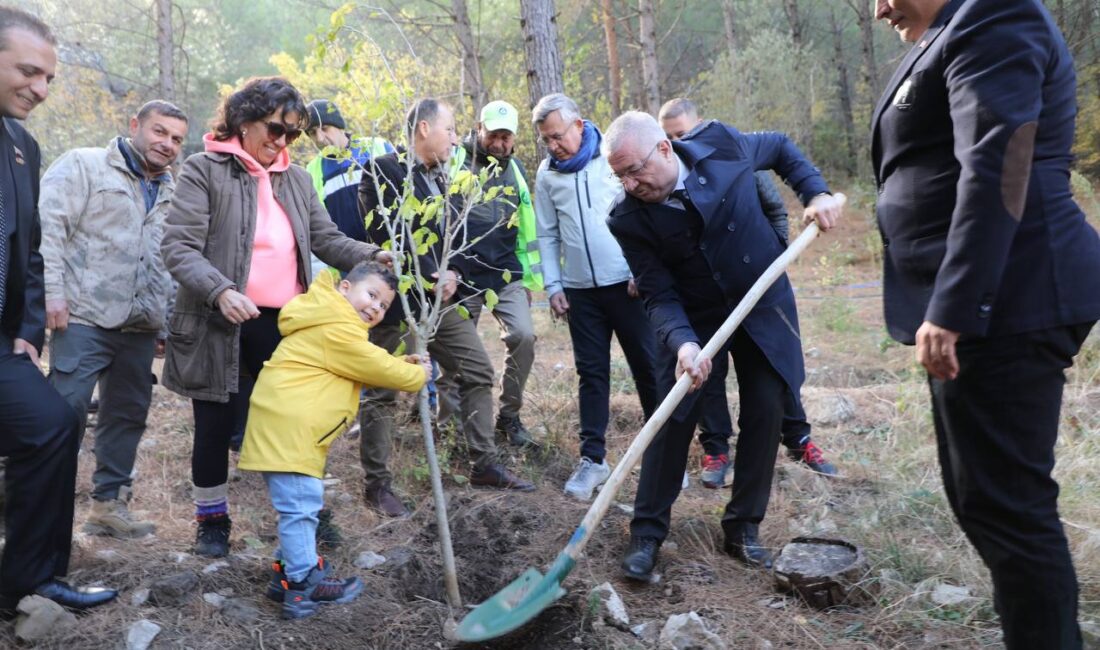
(238, 238)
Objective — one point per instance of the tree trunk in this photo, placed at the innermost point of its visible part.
(538, 19)
(647, 36)
(866, 20)
(805, 133)
(471, 61)
(614, 68)
(166, 50)
(729, 15)
(844, 89)
(791, 8)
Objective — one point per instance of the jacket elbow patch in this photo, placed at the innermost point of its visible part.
(1016, 169)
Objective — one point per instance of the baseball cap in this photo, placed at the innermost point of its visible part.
(500, 115)
(323, 112)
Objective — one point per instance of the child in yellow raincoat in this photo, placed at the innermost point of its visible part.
(306, 396)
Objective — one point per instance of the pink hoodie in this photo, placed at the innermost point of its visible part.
(273, 274)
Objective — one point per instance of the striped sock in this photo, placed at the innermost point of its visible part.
(211, 502)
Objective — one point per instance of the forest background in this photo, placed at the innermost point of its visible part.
(810, 68)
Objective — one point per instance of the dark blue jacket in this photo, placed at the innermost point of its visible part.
(670, 251)
(971, 152)
(25, 302)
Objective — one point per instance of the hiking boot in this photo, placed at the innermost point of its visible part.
(640, 558)
(811, 456)
(498, 476)
(517, 434)
(275, 587)
(212, 538)
(380, 498)
(329, 535)
(113, 518)
(587, 477)
(302, 599)
(714, 470)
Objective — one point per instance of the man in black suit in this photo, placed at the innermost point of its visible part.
(38, 430)
(696, 239)
(991, 270)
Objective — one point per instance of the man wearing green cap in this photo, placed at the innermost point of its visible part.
(504, 263)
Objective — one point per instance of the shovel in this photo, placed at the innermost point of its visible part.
(533, 592)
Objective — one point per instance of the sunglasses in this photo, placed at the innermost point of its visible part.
(276, 130)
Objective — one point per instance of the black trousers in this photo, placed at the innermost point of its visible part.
(594, 315)
(762, 392)
(217, 422)
(715, 426)
(996, 425)
(40, 435)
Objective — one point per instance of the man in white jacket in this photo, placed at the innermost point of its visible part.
(587, 278)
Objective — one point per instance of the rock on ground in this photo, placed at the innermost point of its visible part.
(649, 632)
(139, 597)
(40, 617)
(240, 611)
(214, 600)
(174, 590)
(369, 560)
(141, 634)
(612, 609)
(689, 632)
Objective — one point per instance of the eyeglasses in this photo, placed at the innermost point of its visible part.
(276, 130)
(556, 137)
(630, 173)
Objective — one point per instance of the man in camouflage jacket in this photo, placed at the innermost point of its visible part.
(107, 292)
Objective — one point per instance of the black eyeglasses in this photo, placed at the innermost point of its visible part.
(276, 130)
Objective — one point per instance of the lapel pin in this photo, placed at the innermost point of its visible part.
(18, 155)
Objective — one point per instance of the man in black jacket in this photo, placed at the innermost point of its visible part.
(991, 270)
(38, 430)
(456, 347)
(696, 239)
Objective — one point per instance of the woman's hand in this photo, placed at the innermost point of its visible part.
(384, 258)
(237, 307)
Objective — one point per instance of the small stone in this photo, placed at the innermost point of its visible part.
(108, 555)
(178, 557)
(148, 443)
(344, 497)
(612, 609)
(213, 567)
(41, 617)
(214, 600)
(227, 592)
(947, 595)
(764, 644)
(369, 560)
(141, 634)
(331, 482)
(240, 611)
(648, 632)
(174, 590)
(689, 631)
(628, 509)
(139, 597)
(669, 546)
(577, 640)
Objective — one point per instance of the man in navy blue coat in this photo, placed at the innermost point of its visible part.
(696, 239)
(991, 270)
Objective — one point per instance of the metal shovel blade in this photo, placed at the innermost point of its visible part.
(511, 607)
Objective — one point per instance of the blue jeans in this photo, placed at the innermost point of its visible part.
(297, 498)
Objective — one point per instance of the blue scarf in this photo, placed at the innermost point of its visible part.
(590, 148)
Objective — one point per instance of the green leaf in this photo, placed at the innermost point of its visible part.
(404, 284)
(507, 275)
(492, 193)
(491, 299)
(400, 351)
(460, 479)
(463, 312)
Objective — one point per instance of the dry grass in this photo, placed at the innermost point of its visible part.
(890, 502)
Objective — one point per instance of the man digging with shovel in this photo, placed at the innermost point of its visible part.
(696, 239)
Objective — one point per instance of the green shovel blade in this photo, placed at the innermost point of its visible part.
(516, 604)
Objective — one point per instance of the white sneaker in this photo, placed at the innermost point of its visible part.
(686, 482)
(587, 477)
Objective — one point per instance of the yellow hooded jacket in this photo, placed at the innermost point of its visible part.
(308, 392)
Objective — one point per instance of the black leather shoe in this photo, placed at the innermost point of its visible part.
(75, 597)
(743, 544)
(641, 557)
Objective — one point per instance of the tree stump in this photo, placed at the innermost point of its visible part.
(823, 572)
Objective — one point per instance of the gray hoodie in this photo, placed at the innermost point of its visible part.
(577, 249)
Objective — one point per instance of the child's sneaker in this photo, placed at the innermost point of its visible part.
(303, 598)
(275, 588)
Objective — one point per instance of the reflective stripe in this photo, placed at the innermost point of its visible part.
(340, 181)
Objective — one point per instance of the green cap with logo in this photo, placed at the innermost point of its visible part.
(500, 115)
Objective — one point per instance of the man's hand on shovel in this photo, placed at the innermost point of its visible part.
(686, 363)
(825, 209)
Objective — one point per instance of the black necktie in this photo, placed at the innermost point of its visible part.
(4, 240)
